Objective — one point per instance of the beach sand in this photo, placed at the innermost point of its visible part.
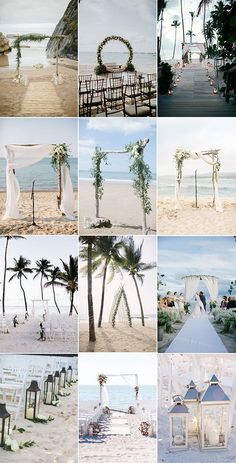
(56, 441)
(24, 340)
(120, 205)
(47, 217)
(120, 449)
(40, 97)
(191, 221)
(122, 338)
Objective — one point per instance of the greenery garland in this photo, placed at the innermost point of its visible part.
(113, 321)
(142, 173)
(101, 68)
(96, 172)
(26, 38)
(60, 155)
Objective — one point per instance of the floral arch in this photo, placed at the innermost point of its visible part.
(101, 67)
(192, 282)
(129, 378)
(195, 47)
(211, 157)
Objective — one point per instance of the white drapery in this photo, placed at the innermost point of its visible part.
(193, 47)
(130, 379)
(192, 282)
(104, 398)
(215, 178)
(21, 156)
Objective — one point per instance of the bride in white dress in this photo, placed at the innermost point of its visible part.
(198, 311)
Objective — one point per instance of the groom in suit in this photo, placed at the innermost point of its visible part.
(203, 299)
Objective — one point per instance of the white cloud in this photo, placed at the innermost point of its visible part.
(86, 146)
(123, 125)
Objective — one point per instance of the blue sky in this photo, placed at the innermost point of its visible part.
(39, 131)
(35, 247)
(181, 256)
(115, 133)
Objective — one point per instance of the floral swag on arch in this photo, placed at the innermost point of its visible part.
(211, 157)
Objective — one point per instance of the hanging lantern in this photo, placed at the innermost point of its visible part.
(214, 406)
(56, 380)
(63, 377)
(191, 401)
(178, 414)
(32, 400)
(69, 374)
(48, 390)
(5, 419)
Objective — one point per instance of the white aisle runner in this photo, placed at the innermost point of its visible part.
(197, 336)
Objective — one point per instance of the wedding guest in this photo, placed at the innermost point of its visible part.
(169, 301)
(231, 303)
(176, 300)
(42, 332)
(15, 321)
(181, 301)
(224, 302)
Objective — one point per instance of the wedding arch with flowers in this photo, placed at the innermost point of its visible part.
(192, 283)
(130, 379)
(211, 157)
(22, 156)
(140, 170)
(101, 68)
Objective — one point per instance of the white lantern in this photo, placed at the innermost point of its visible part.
(191, 401)
(178, 414)
(214, 406)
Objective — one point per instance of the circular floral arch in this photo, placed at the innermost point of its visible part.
(101, 68)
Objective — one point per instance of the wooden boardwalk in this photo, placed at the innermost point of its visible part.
(193, 97)
(41, 98)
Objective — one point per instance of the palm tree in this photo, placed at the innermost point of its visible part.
(20, 269)
(8, 238)
(182, 19)
(190, 33)
(191, 29)
(132, 263)
(89, 242)
(42, 269)
(107, 249)
(54, 277)
(161, 21)
(69, 279)
(202, 7)
(175, 24)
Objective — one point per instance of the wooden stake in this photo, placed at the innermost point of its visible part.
(32, 198)
(59, 194)
(196, 189)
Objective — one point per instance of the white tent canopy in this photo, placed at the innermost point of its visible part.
(22, 156)
(192, 282)
(210, 157)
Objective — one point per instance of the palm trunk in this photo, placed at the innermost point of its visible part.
(41, 285)
(92, 336)
(103, 295)
(26, 308)
(71, 302)
(54, 297)
(161, 29)
(140, 300)
(76, 311)
(4, 278)
(182, 20)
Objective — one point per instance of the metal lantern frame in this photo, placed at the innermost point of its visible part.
(49, 390)
(56, 380)
(32, 401)
(191, 400)
(5, 420)
(214, 397)
(69, 374)
(178, 410)
(63, 377)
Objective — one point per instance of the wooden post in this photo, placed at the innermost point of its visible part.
(97, 203)
(32, 198)
(57, 55)
(59, 193)
(196, 189)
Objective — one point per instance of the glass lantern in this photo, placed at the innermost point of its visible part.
(32, 400)
(178, 415)
(191, 401)
(63, 377)
(215, 405)
(5, 419)
(48, 390)
(56, 380)
(69, 374)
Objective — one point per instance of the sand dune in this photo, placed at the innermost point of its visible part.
(47, 217)
(191, 221)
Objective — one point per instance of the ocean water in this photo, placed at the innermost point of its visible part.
(140, 60)
(119, 396)
(36, 54)
(112, 176)
(227, 185)
(42, 172)
(12, 310)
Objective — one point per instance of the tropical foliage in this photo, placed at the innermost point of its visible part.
(20, 270)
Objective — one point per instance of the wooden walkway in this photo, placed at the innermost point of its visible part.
(41, 99)
(193, 97)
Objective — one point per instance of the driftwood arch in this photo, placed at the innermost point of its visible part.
(211, 157)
